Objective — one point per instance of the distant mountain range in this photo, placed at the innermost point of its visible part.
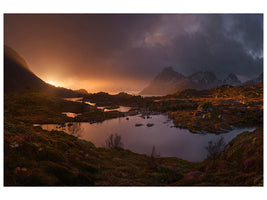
(255, 81)
(18, 77)
(169, 81)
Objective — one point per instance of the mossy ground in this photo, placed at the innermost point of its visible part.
(33, 156)
(231, 106)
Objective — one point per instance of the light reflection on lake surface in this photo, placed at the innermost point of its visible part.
(74, 99)
(70, 114)
(170, 142)
(120, 109)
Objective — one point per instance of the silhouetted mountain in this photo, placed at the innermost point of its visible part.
(19, 77)
(81, 91)
(255, 81)
(169, 81)
(231, 79)
(204, 80)
(163, 82)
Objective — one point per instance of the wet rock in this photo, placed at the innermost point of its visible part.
(198, 113)
(149, 125)
(63, 125)
(205, 107)
(206, 116)
(14, 145)
(221, 117)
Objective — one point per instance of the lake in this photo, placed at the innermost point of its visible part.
(79, 99)
(167, 140)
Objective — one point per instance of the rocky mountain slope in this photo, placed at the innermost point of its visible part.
(163, 81)
(169, 81)
(232, 80)
(255, 81)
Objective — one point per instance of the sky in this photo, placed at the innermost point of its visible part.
(124, 52)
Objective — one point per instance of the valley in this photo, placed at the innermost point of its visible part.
(81, 106)
(34, 156)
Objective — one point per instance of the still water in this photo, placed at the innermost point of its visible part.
(168, 141)
(120, 109)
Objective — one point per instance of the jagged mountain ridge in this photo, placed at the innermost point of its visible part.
(163, 80)
(254, 81)
(169, 81)
(231, 79)
(19, 77)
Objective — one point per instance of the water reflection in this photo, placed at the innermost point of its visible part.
(75, 129)
(168, 141)
(120, 109)
(80, 100)
(70, 114)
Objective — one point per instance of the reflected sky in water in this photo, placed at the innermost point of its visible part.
(168, 141)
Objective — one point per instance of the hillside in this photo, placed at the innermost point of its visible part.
(35, 157)
(19, 77)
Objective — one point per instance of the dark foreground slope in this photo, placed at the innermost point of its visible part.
(37, 157)
(19, 77)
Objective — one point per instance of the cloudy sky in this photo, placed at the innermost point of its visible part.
(116, 53)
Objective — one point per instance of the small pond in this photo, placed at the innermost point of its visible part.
(140, 135)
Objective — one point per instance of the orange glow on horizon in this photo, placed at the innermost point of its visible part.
(99, 85)
(53, 83)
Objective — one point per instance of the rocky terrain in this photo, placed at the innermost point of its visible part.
(35, 157)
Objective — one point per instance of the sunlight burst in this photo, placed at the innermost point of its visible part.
(52, 83)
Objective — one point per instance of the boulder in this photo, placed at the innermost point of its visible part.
(221, 117)
(206, 116)
(149, 125)
(205, 107)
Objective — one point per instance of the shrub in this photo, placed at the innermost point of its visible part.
(114, 141)
(215, 149)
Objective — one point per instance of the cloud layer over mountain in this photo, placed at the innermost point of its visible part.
(124, 52)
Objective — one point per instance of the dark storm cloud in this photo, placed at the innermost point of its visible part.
(214, 46)
(137, 47)
(87, 42)
(248, 29)
(208, 42)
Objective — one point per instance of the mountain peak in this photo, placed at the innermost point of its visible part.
(168, 69)
(204, 77)
(231, 79)
(162, 83)
(254, 81)
(168, 73)
(232, 76)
